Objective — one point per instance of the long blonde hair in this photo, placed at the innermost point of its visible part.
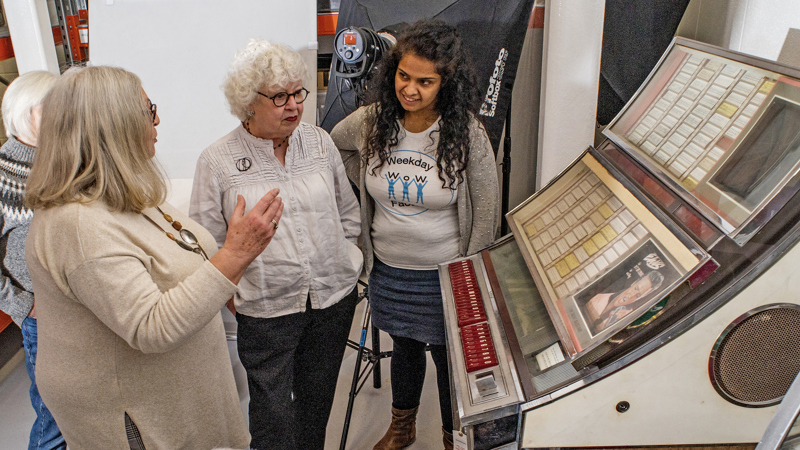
(93, 144)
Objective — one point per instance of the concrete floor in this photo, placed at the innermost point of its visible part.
(371, 411)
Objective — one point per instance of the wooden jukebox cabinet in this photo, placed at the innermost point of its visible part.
(650, 294)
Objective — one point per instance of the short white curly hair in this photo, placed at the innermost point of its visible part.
(261, 63)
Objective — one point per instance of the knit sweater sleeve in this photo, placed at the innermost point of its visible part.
(16, 292)
(484, 190)
(349, 136)
(146, 289)
(15, 299)
(122, 294)
(346, 201)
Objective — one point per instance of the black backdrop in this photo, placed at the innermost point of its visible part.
(635, 35)
(493, 31)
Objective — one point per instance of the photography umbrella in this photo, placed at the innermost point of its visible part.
(492, 30)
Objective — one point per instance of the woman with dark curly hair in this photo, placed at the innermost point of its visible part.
(429, 194)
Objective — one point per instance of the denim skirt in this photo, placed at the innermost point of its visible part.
(407, 303)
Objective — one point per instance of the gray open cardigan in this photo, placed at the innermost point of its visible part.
(478, 198)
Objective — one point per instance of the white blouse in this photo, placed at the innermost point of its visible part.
(314, 253)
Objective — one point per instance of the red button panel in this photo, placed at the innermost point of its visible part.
(478, 349)
(466, 293)
(476, 337)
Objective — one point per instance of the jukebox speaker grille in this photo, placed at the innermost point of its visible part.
(757, 357)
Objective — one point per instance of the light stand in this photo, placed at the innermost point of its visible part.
(372, 357)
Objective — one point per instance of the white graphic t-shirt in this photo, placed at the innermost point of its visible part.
(415, 225)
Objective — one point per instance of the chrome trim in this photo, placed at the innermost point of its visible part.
(725, 227)
(502, 331)
(718, 342)
(455, 386)
(769, 209)
(744, 231)
(783, 420)
(647, 167)
(508, 403)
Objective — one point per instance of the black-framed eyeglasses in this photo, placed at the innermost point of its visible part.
(281, 98)
(153, 109)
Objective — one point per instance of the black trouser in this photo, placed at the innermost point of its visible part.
(301, 354)
(408, 376)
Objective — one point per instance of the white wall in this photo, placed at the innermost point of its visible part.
(756, 27)
(32, 36)
(181, 49)
(573, 36)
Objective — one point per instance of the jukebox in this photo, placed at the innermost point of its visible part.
(648, 295)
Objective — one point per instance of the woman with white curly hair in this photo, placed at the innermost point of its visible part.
(296, 301)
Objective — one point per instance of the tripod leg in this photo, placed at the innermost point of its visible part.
(376, 350)
(356, 372)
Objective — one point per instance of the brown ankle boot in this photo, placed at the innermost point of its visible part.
(402, 432)
(447, 439)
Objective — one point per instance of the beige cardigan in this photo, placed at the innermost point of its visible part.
(130, 322)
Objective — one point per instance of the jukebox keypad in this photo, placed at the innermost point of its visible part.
(476, 337)
(697, 116)
(581, 233)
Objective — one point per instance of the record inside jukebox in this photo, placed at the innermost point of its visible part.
(690, 199)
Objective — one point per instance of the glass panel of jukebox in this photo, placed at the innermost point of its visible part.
(618, 311)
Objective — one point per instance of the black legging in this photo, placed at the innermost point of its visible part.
(408, 376)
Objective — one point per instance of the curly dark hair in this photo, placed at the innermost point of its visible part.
(456, 102)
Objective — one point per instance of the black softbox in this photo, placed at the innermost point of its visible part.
(493, 31)
(635, 35)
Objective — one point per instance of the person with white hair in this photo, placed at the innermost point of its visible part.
(296, 302)
(22, 109)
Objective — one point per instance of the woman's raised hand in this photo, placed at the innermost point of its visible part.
(248, 234)
(251, 233)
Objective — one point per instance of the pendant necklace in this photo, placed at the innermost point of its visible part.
(188, 240)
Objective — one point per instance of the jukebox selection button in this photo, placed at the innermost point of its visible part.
(474, 364)
(466, 293)
(476, 340)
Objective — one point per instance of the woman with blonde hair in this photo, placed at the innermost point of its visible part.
(22, 110)
(297, 299)
(132, 351)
